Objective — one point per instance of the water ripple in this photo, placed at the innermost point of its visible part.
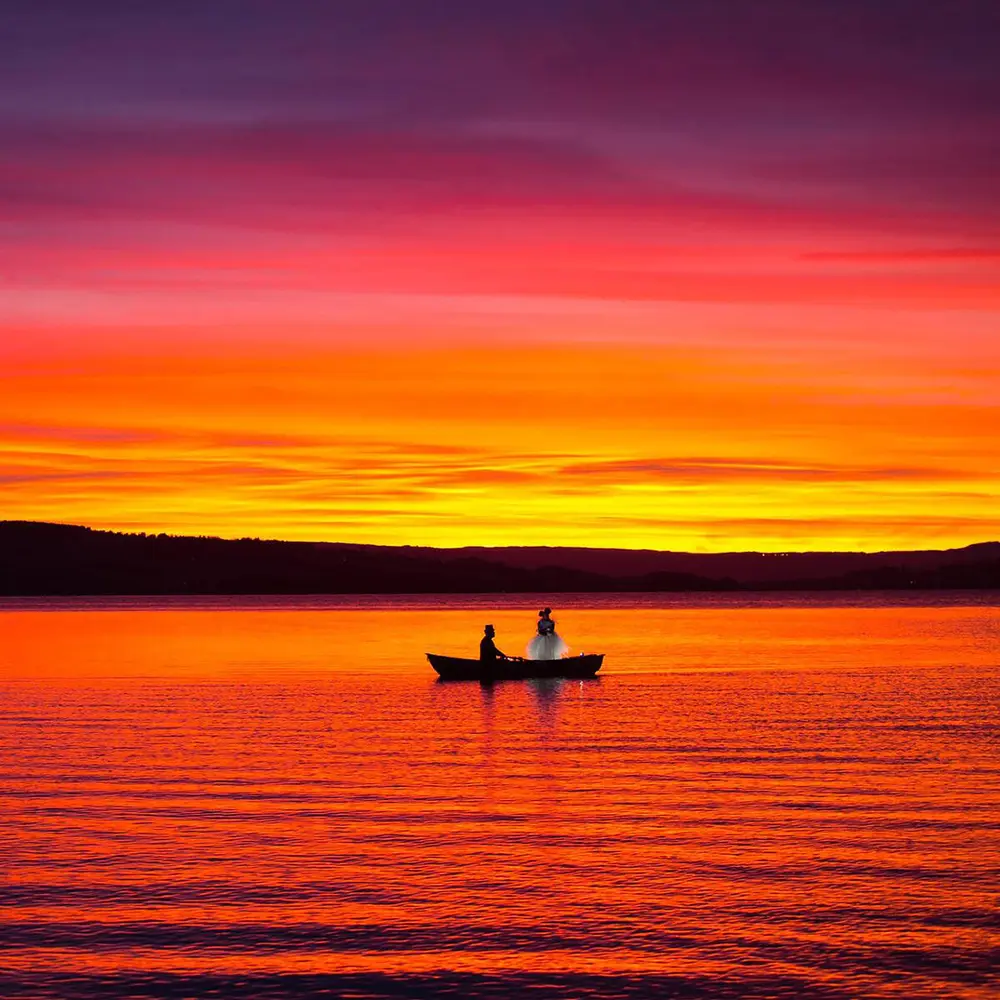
(823, 822)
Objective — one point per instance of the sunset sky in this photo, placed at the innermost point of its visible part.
(694, 275)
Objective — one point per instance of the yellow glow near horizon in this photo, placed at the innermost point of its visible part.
(671, 448)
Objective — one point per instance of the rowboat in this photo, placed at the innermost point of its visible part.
(454, 668)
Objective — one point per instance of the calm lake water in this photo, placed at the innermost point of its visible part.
(760, 797)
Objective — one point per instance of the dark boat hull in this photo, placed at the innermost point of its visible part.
(454, 668)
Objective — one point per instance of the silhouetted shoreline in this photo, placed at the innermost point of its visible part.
(42, 559)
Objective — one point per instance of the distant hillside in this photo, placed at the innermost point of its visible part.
(745, 567)
(55, 559)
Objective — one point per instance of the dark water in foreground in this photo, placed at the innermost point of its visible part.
(758, 799)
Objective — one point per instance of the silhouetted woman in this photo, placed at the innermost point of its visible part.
(546, 645)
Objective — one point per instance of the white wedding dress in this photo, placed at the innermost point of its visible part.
(546, 645)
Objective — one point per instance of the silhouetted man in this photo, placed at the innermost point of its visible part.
(488, 652)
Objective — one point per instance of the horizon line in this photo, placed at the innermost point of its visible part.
(459, 548)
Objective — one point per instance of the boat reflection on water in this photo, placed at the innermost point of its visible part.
(544, 689)
(547, 693)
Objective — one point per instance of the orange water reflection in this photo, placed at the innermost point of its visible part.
(753, 801)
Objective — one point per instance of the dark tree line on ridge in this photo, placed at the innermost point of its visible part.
(51, 559)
